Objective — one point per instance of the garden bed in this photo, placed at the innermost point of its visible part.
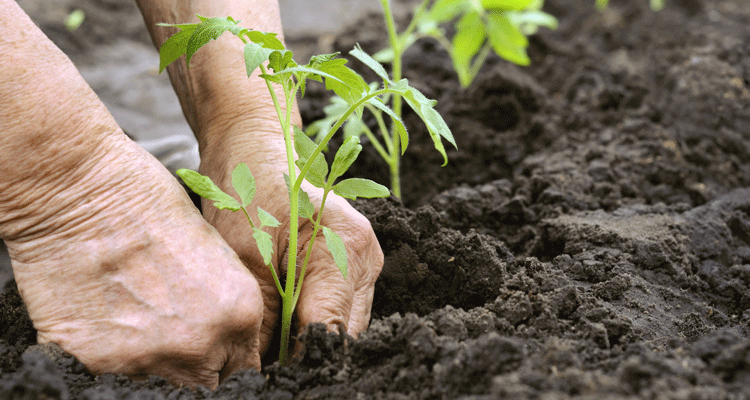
(590, 238)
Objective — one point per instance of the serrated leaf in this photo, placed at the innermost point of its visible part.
(506, 4)
(264, 242)
(304, 146)
(280, 59)
(337, 249)
(348, 84)
(266, 219)
(506, 40)
(436, 126)
(203, 186)
(209, 29)
(174, 47)
(273, 78)
(360, 55)
(267, 40)
(357, 187)
(345, 156)
(243, 183)
(255, 55)
(306, 208)
(400, 127)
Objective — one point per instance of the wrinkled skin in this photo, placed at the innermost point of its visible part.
(111, 258)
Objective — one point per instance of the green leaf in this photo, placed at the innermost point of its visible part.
(280, 60)
(345, 156)
(305, 147)
(337, 249)
(333, 112)
(265, 244)
(267, 40)
(209, 29)
(466, 43)
(244, 183)
(274, 78)
(357, 187)
(203, 186)
(507, 41)
(400, 127)
(175, 46)
(307, 70)
(347, 84)
(529, 21)
(353, 127)
(266, 219)
(446, 10)
(360, 55)
(306, 208)
(436, 126)
(321, 58)
(506, 4)
(255, 55)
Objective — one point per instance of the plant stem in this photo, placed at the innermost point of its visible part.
(324, 142)
(395, 160)
(291, 272)
(316, 227)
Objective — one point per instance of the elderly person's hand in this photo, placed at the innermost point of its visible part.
(235, 121)
(112, 259)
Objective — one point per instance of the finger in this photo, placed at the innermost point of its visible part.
(325, 296)
(368, 264)
(271, 312)
(329, 298)
(235, 231)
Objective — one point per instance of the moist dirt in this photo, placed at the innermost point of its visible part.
(589, 239)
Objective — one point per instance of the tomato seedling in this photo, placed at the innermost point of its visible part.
(264, 51)
(481, 27)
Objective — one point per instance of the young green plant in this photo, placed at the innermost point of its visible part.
(481, 27)
(264, 51)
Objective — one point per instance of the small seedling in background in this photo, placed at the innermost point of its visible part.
(74, 20)
(264, 51)
(481, 27)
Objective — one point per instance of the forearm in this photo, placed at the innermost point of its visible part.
(215, 91)
(52, 123)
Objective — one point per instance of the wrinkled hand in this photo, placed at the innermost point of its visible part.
(111, 258)
(129, 278)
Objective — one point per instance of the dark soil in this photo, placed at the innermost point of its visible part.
(589, 239)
